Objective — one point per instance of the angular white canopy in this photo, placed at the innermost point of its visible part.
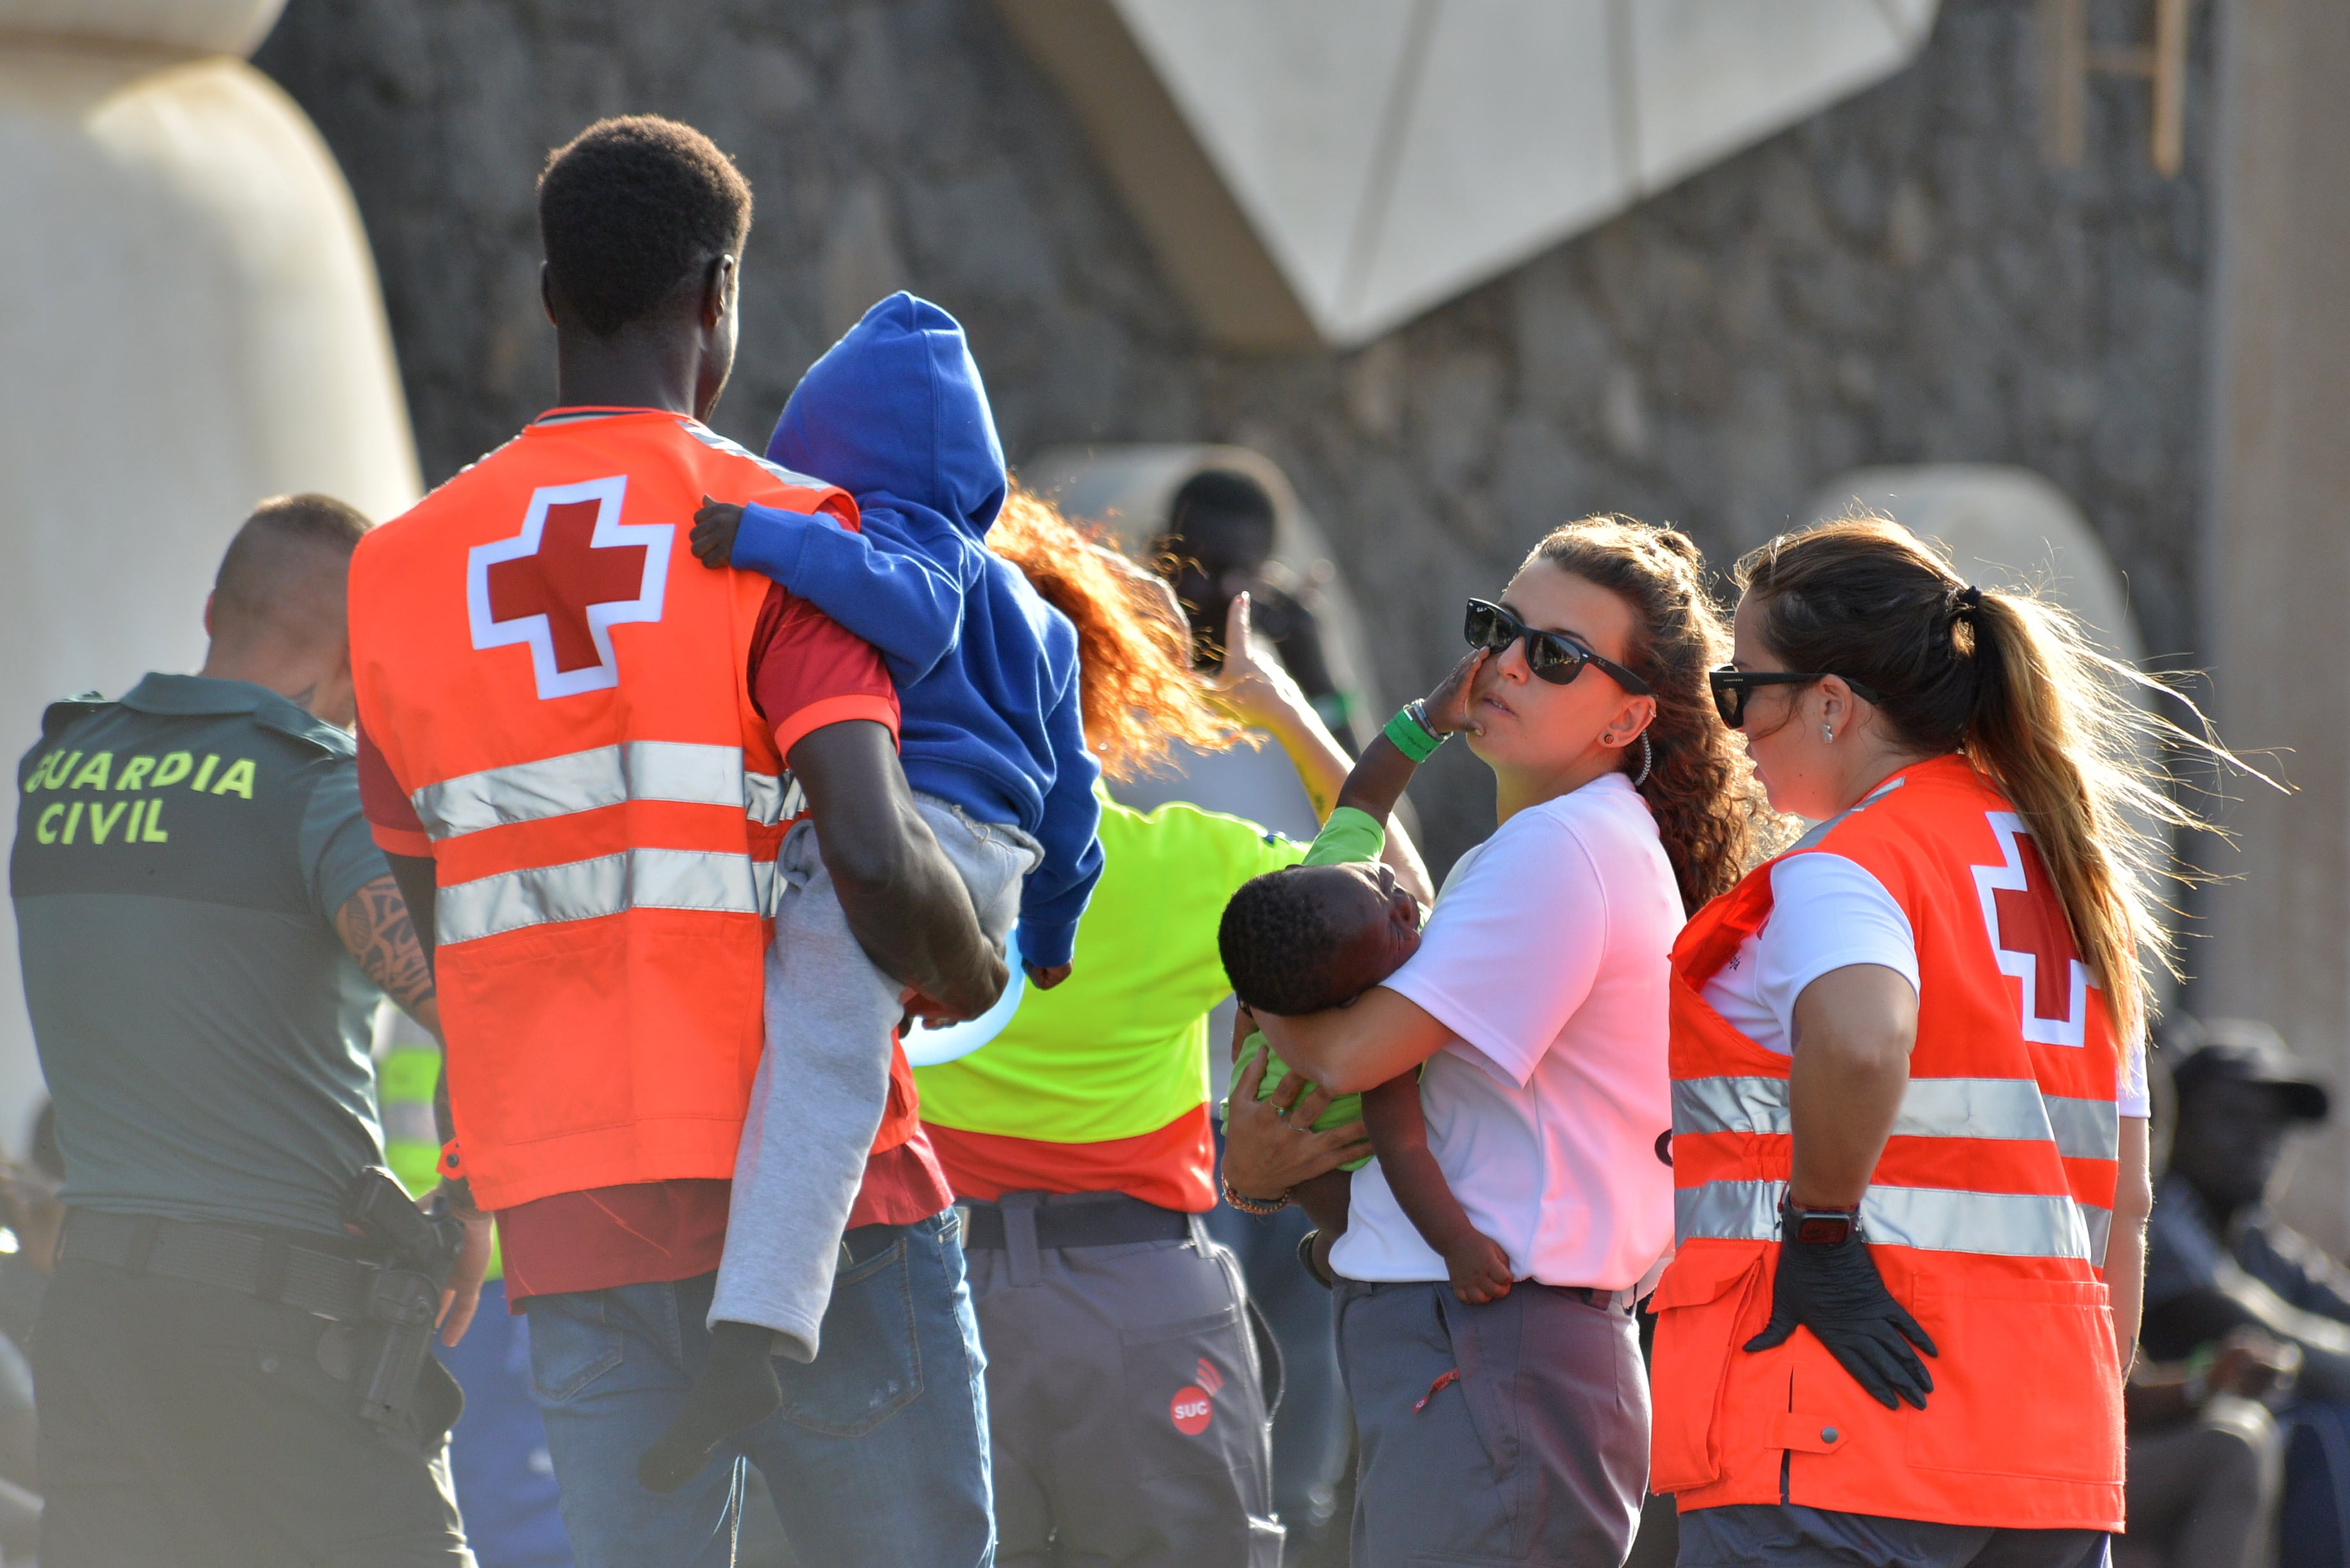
(1388, 154)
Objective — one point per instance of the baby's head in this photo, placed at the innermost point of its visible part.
(1312, 937)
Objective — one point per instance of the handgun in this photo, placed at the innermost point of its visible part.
(404, 1292)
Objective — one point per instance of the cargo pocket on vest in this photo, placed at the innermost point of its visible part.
(1700, 1305)
(2027, 1383)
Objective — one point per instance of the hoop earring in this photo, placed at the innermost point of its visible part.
(1648, 761)
(1828, 735)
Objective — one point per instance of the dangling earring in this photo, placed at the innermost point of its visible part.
(1648, 761)
(1828, 735)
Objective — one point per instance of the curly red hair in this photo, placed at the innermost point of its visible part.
(1134, 648)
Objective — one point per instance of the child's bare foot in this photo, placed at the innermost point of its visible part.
(714, 527)
(1480, 1269)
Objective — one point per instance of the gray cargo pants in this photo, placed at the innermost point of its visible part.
(1125, 1400)
(1515, 1432)
(824, 1079)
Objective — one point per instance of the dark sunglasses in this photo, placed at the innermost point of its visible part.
(1551, 656)
(1731, 685)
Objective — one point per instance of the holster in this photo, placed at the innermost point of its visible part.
(394, 1307)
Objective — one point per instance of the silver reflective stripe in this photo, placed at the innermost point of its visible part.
(2005, 1224)
(2005, 1108)
(1730, 1105)
(608, 885)
(1728, 1211)
(1930, 1218)
(2100, 1223)
(2087, 1130)
(603, 775)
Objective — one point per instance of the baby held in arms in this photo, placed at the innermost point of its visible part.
(1318, 935)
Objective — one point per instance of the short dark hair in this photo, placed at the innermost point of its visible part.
(1279, 943)
(629, 209)
(256, 585)
(1219, 495)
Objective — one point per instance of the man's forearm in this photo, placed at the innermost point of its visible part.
(381, 937)
(912, 916)
(903, 901)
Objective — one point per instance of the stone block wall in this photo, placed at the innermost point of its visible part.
(1902, 279)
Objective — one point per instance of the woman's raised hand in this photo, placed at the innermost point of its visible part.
(1447, 709)
(1261, 696)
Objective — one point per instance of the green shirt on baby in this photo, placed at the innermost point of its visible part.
(1350, 837)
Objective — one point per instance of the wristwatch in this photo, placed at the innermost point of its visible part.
(1818, 1227)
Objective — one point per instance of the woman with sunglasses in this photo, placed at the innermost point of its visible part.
(1909, 1101)
(1517, 1430)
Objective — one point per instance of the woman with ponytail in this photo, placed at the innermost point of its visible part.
(1516, 1429)
(1909, 1096)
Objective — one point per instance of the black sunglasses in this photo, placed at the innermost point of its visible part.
(1731, 685)
(1551, 656)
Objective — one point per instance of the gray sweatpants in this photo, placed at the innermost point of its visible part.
(1515, 1432)
(1126, 1406)
(824, 1079)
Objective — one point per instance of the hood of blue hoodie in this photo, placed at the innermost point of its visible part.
(896, 407)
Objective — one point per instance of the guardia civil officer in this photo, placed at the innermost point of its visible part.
(207, 929)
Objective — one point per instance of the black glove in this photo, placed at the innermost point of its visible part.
(1834, 1290)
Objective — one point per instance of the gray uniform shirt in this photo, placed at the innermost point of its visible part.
(180, 857)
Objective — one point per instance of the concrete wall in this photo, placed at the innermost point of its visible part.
(2277, 555)
(1900, 279)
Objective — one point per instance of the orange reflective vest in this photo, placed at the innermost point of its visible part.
(1987, 1213)
(562, 690)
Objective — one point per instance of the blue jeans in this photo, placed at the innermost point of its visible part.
(878, 1456)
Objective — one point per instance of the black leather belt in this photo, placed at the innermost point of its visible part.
(254, 1263)
(1110, 1222)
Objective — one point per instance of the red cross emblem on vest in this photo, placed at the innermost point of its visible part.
(561, 584)
(2029, 937)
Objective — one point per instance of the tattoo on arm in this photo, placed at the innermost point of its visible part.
(374, 926)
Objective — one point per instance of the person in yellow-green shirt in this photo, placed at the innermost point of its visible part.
(1127, 1408)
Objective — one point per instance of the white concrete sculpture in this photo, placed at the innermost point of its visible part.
(189, 321)
(1388, 154)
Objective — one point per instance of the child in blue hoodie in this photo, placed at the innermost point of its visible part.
(991, 738)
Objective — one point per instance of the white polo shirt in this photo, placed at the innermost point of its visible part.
(1545, 957)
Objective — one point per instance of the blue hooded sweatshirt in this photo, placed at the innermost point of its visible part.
(895, 414)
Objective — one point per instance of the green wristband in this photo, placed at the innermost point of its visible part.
(1412, 736)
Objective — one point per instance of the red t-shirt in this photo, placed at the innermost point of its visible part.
(807, 671)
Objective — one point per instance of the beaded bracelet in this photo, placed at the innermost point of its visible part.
(1247, 1205)
(1409, 731)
